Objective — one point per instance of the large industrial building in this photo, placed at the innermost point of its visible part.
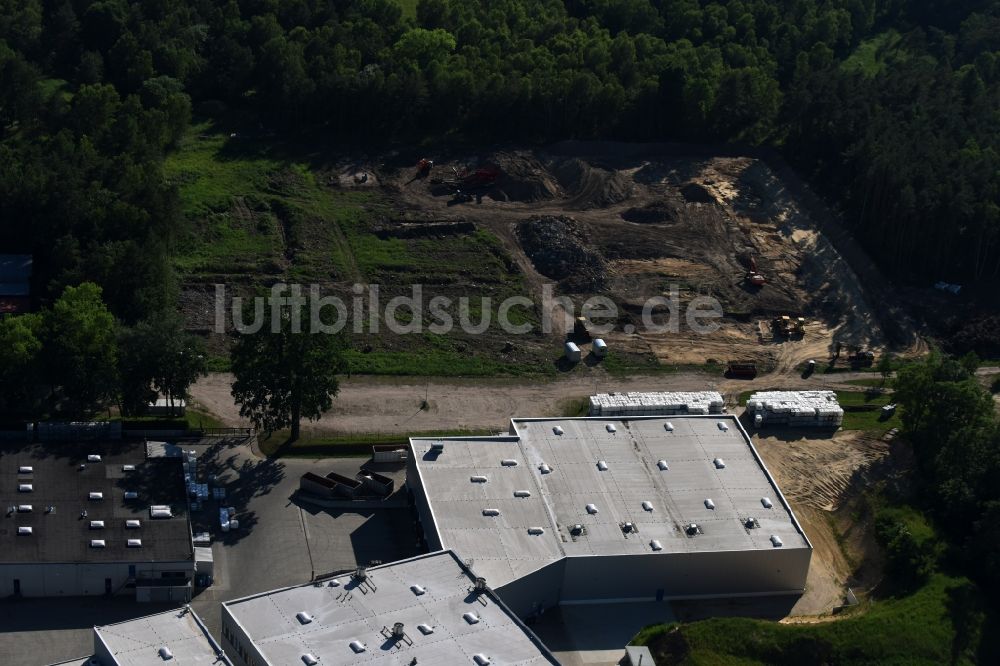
(580, 510)
(93, 520)
(428, 610)
(173, 637)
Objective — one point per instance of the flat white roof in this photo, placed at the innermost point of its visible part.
(343, 611)
(138, 642)
(615, 465)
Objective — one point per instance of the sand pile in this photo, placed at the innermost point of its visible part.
(589, 186)
(522, 178)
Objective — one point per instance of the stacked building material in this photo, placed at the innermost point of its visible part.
(656, 403)
(796, 408)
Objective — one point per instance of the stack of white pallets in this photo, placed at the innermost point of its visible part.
(656, 403)
(796, 408)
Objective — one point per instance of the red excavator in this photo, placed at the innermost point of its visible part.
(753, 276)
(424, 167)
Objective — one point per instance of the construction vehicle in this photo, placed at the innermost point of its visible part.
(424, 167)
(482, 177)
(753, 276)
(742, 369)
(786, 327)
(862, 358)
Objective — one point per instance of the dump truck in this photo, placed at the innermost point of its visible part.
(785, 326)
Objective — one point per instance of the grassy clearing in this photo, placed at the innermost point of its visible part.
(409, 8)
(872, 55)
(876, 382)
(350, 444)
(434, 363)
(572, 407)
(940, 623)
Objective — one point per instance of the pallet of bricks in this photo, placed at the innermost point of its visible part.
(796, 408)
(656, 403)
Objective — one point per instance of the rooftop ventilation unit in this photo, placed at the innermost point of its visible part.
(425, 629)
(50, 509)
(398, 631)
(165, 653)
(591, 509)
(576, 530)
(536, 530)
(160, 511)
(558, 430)
(478, 478)
(437, 447)
(361, 573)
(723, 426)
(132, 524)
(131, 494)
(96, 495)
(97, 543)
(303, 617)
(610, 427)
(312, 660)
(471, 618)
(692, 529)
(602, 465)
(82, 467)
(668, 426)
(25, 469)
(508, 462)
(97, 524)
(93, 458)
(719, 463)
(751, 523)
(481, 659)
(627, 528)
(662, 464)
(491, 512)
(418, 589)
(24, 531)
(357, 646)
(647, 506)
(134, 543)
(655, 545)
(709, 504)
(776, 541)
(766, 502)
(128, 468)
(24, 488)
(522, 493)
(24, 508)
(480, 585)
(544, 469)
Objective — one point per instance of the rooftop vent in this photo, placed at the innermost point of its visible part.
(24, 508)
(558, 430)
(82, 467)
(471, 617)
(610, 427)
(437, 447)
(536, 530)
(128, 468)
(425, 629)
(134, 543)
(24, 488)
(647, 506)
(655, 545)
(508, 462)
(628, 528)
(766, 502)
(576, 530)
(357, 646)
(602, 465)
(481, 659)
(692, 529)
(25, 469)
(50, 509)
(662, 464)
(96, 495)
(93, 457)
(165, 653)
(491, 512)
(418, 589)
(478, 478)
(544, 469)
(23, 530)
(751, 523)
(522, 493)
(668, 426)
(398, 631)
(131, 494)
(303, 617)
(723, 426)
(132, 524)
(709, 504)
(160, 511)
(591, 509)
(776, 541)
(97, 543)
(97, 524)
(312, 660)
(480, 585)
(719, 463)
(361, 573)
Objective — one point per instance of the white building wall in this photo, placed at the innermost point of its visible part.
(237, 645)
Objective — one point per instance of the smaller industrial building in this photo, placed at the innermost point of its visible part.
(430, 609)
(173, 637)
(86, 519)
(816, 409)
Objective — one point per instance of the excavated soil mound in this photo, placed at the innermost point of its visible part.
(589, 186)
(522, 178)
(658, 212)
(695, 193)
(559, 250)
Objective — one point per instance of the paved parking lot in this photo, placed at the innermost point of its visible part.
(282, 540)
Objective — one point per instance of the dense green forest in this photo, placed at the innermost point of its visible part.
(891, 106)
